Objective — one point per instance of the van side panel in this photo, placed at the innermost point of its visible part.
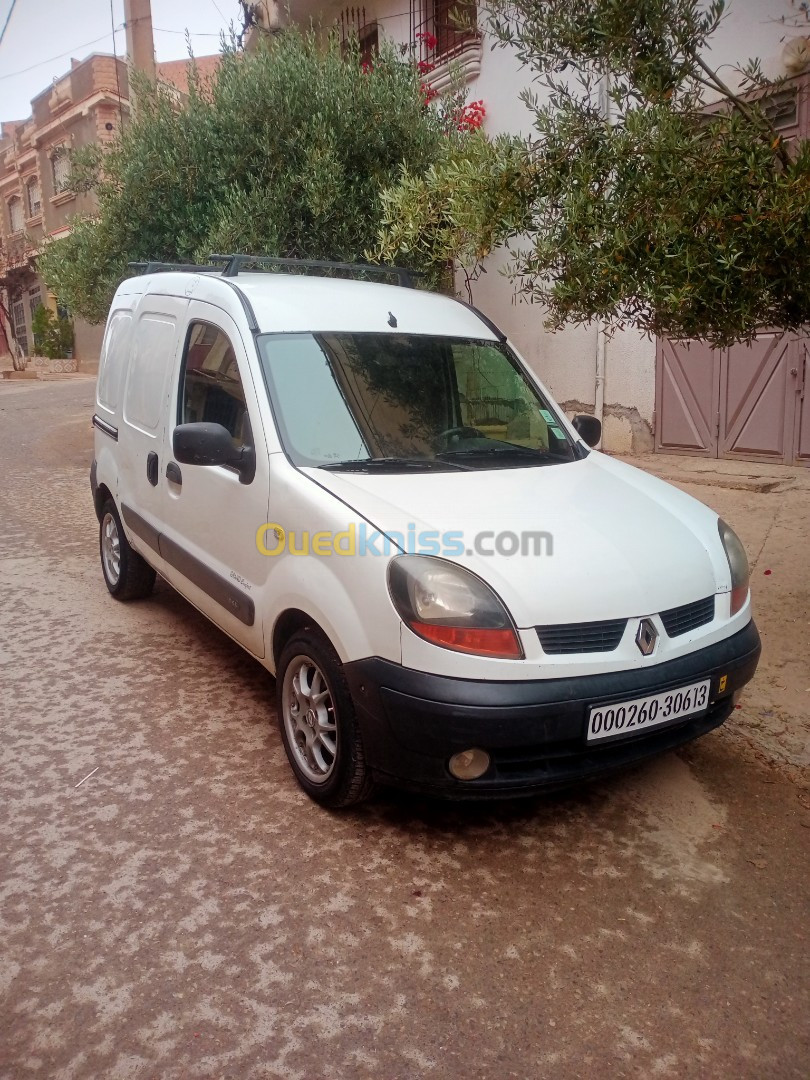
(154, 347)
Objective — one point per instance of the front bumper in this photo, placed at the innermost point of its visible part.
(534, 732)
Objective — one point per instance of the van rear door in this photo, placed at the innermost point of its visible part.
(154, 355)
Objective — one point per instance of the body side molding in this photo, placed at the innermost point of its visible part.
(218, 588)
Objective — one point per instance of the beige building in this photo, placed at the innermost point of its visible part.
(87, 105)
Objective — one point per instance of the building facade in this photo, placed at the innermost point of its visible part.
(625, 379)
(87, 105)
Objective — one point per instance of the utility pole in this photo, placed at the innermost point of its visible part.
(140, 42)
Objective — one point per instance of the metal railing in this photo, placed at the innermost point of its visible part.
(451, 24)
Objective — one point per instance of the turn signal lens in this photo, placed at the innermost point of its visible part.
(738, 597)
(500, 643)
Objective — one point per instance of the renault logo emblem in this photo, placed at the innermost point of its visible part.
(646, 637)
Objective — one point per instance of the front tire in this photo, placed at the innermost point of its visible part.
(126, 574)
(318, 723)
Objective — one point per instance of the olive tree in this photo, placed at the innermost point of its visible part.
(285, 151)
(651, 194)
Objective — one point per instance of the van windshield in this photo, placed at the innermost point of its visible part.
(397, 402)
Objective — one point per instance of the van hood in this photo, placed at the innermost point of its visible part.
(616, 542)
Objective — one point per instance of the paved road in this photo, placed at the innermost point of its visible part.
(186, 912)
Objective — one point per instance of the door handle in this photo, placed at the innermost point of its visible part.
(173, 473)
(152, 468)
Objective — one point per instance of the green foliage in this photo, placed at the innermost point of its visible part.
(53, 334)
(630, 203)
(285, 153)
(458, 210)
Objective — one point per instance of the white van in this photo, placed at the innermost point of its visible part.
(365, 487)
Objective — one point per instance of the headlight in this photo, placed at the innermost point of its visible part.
(738, 564)
(449, 606)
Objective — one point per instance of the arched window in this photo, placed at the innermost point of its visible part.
(15, 213)
(33, 197)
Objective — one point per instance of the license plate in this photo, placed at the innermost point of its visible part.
(641, 714)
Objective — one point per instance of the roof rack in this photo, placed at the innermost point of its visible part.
(230, 265)
(234, 263)
(161, 267)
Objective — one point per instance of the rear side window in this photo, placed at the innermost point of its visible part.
(151, 361)
(114, 360)
(211, 388)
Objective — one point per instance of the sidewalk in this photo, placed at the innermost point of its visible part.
(32, 375)
(762, 476)
(769, 506)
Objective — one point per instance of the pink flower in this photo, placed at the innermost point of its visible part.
(430, 42)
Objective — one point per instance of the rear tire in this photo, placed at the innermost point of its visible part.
(126, 574)
(318, 723)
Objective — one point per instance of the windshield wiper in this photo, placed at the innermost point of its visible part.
(523, 452)
(393, 464)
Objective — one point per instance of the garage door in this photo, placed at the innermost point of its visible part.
(746, 402)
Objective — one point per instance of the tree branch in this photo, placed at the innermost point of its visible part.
(758, 119)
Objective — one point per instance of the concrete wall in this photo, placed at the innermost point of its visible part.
(87, 347)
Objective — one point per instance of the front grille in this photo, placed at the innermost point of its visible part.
(586, 637)
(680, 620)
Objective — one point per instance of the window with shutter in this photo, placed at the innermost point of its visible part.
(33, 196)
(15, 213)
(60, 165)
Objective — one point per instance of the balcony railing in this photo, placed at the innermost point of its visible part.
(353, 25)
(16, 251)
(447, 27)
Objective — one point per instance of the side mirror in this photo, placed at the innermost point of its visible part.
(211, 444)
(588, 427)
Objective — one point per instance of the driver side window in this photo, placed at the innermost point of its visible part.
(211, 388)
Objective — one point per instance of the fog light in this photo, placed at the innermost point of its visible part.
(469, 764)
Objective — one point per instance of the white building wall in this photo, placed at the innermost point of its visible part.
(566, 359)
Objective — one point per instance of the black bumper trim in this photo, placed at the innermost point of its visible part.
(534, 731)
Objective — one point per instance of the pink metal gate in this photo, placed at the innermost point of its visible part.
(687, 401)
(801, 445)
(746, 402)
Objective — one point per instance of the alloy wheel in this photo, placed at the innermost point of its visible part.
(309, 719)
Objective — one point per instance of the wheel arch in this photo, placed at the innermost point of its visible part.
(288, 623)
(102, 494)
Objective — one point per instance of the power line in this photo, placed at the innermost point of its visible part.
(39, 63)
(8, 20)
(118, 29)
(191, 33)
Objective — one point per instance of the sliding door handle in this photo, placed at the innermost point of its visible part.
(173, 473)
(152, 468)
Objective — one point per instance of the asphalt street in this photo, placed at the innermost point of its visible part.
(172, 906)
